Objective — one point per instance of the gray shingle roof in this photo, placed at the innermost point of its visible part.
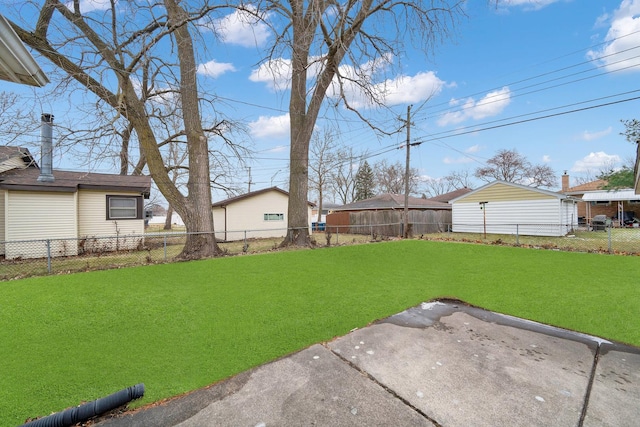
(444, 198)
(392, 201)
(230, 200)
(66, 181)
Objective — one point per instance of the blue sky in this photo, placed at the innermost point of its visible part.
(521, 60)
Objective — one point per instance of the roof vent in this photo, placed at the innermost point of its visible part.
(46, 149)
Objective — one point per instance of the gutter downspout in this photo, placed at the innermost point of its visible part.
(225, 222)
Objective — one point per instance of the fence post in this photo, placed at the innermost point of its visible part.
(609, 236)
(518, 234)
(165, 247)
(48, 256)
(337, 234)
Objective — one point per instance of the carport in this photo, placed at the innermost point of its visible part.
(625, 201)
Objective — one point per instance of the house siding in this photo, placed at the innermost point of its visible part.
(503, 192)
(12, 163)
(2, 222)
(248, 215)
(527, 217)
(99, 234)
(245, 217)
(32, 216)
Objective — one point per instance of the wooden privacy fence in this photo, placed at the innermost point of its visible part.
(388, 222)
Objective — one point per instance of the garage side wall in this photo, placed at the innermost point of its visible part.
(99, 234)
(34, 216)
(2, 222)
(261, 216)
(527, 217)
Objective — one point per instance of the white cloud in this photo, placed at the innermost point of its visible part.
(528, 4)
(595, 162)
(270, 127)
(241, 28)
(546, 158)
(467, 156)
(214, 69)
(276, 74)
(400, 90)
(490, 105)
(473, 149)
(591, 136)
(623, 23)
(87, 6)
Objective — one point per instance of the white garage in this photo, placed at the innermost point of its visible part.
(502, 207)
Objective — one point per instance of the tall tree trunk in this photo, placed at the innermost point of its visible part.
(320, 204)
(168, 218)
(202, 243)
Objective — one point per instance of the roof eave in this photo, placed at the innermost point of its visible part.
(16, 63)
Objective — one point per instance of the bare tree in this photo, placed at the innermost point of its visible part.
(433, 187)
(459, 179)
(390, 178)
(343, 176)
(323, 160)
(511, 166)
(320, 36)
(116, 57)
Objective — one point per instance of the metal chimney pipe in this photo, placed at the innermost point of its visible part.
(46, 149)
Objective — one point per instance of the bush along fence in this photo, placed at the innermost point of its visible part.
(55, 256)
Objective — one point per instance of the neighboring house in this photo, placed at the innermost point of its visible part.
(586, 211)
(326, 208)
(593, 200)
(447, 197)
(502, 207)
(38, 204)
(383, 215)
(258, 214)
(637, 169)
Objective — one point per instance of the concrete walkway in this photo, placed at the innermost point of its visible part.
(438, 364)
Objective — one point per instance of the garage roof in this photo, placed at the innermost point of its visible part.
(610, 196)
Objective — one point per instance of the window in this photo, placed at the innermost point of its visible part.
(122, 207)
(600, 203)
(634, 202)
(274, 217)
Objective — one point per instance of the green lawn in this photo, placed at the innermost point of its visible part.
(178, 327)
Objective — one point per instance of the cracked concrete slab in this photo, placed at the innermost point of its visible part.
(313, 387)
(439, 363)
(463, 371)
(615, 394)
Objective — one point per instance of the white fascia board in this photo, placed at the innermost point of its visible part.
(16, 63)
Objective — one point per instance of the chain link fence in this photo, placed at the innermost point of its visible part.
(26, 258)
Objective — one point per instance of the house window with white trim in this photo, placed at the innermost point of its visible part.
(124, 207)
(274, 217)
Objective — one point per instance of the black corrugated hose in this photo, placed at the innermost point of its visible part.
(90, 409)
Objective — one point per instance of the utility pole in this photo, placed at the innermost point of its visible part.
(405, 230)
(249, 189)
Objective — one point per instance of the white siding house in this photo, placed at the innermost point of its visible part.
(258, 214)
(505, 208)
(71, 211)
